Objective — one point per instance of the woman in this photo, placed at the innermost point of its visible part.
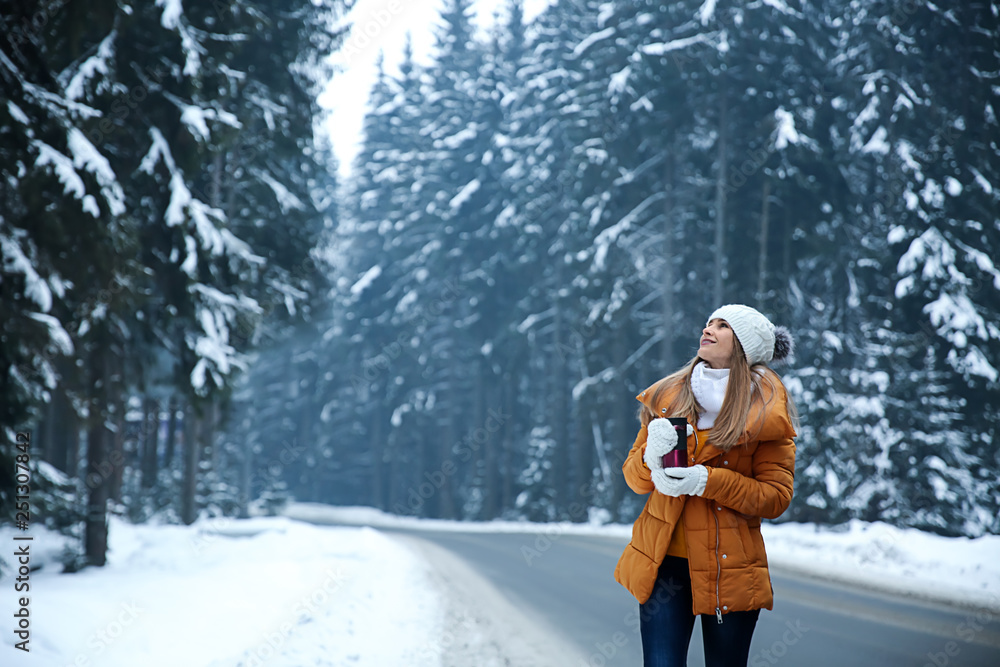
(696, 548)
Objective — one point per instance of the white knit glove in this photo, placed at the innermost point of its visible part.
(681, 481)
(661, 439)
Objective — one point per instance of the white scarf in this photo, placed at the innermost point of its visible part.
(709, 387)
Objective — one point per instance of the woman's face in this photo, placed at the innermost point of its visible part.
(716, 344)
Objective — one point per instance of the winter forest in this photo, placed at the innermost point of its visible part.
(200, 318)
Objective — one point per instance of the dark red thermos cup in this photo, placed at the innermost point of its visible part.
(678, 457)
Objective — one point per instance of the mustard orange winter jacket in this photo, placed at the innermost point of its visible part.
(753, 480)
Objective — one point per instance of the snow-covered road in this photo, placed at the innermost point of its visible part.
(482, 626)
(565, 580)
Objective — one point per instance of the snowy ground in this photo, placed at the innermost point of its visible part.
(276, 591)
(228, 593)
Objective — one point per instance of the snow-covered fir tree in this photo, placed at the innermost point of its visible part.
(166, 191)
(651, 161)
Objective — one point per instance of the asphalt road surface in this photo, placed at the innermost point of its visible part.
(568, 580)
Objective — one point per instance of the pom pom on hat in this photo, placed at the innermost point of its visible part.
(757, 336)
(784, 345)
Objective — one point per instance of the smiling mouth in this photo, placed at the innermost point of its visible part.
(706, 341)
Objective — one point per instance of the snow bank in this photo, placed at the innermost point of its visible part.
(905, 561)
(231, 593)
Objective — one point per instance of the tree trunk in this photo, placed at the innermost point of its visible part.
(506, 470)
(191, 450)
(583, 466)
(720, 205)
(765, 221)
(118, 451)
(54, 431)
(168, 454)
(475, 473)
(72, 441)
(396, 484)
(60, 428)
(377, 448)
(305, 435)
(669, 275)
(210, 427)
(491, 480)
(620, 433)
(559, 412)
(623, 438)
(246, 473)
(99, 468)
(445, 494)
(150, 442)
(45, 437)
(786, 259)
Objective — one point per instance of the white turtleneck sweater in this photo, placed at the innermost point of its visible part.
(709, 387)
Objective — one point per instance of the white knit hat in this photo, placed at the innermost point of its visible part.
(756, 333)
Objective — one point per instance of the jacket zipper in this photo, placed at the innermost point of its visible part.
(718, 561)
(718, 575)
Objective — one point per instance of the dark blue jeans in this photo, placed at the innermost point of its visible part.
(666, 623)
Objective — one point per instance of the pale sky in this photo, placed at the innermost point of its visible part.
(381, 25)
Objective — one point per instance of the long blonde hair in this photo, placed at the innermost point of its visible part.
(748, 391)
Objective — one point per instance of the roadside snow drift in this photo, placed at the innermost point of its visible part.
(227, 593)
